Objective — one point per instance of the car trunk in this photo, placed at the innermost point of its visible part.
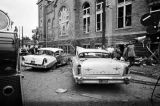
(34, 59)
(101, 67)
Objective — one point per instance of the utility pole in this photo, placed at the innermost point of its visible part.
(22, 36)
(103, 24)
(19, 33)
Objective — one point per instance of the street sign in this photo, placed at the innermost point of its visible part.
(146, 19)
(150, 18)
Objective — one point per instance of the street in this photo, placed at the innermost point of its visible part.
(40, 88)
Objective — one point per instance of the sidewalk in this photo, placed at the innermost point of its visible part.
(143, 78)
(149, 71)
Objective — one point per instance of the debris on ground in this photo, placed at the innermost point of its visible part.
(145, 61)
(61, 90)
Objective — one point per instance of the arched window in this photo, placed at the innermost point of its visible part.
(86, 17)
(63, 20)
(99, 12)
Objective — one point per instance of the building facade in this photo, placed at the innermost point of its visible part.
(68, 23)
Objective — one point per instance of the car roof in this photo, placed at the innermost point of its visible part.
(51, 49)
(91, 50)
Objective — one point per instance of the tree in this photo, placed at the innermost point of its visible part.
(35, 35)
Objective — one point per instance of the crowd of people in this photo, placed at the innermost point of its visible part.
(30, 49)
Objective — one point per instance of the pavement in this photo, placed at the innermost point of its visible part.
(40, 89)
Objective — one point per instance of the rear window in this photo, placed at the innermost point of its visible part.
(93, 55)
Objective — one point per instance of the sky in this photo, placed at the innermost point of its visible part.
(22, 13)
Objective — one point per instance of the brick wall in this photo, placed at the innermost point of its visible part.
(75, 33)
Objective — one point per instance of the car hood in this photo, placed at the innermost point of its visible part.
(102, 66)
(38, 59)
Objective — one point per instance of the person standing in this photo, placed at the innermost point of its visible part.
(131, 53)
(125, 52)
(117, 53)
(110, 49)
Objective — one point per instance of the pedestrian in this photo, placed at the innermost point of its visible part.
(125, 52)
(131, 53)
(32, 50)
(110, 50)
(117, 53)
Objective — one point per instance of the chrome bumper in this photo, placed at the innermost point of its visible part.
(34, 66)
(102, 80)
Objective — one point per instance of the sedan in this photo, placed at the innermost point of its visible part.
(45, 58)
(93, 66)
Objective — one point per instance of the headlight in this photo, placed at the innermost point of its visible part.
(79, 69)
(44, 60)
(23, 59)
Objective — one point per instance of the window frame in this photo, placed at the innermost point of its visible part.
(86, 18)
(124, 5)
(100, 12)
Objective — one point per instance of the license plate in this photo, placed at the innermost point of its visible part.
(32, 62)
(103, 81)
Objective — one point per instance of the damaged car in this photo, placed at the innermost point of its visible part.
(45, 58)
(93, 66)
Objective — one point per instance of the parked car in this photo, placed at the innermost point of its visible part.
(45, 58)
(62, 57)
(94, 66)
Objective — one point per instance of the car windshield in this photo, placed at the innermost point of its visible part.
(93, 55)
(46, 52)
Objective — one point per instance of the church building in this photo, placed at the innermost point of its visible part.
(70, 23)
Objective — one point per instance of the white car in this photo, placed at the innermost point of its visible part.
(45, 58)
(92, 66)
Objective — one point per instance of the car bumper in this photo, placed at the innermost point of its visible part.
(102, 80)
(35, 66)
